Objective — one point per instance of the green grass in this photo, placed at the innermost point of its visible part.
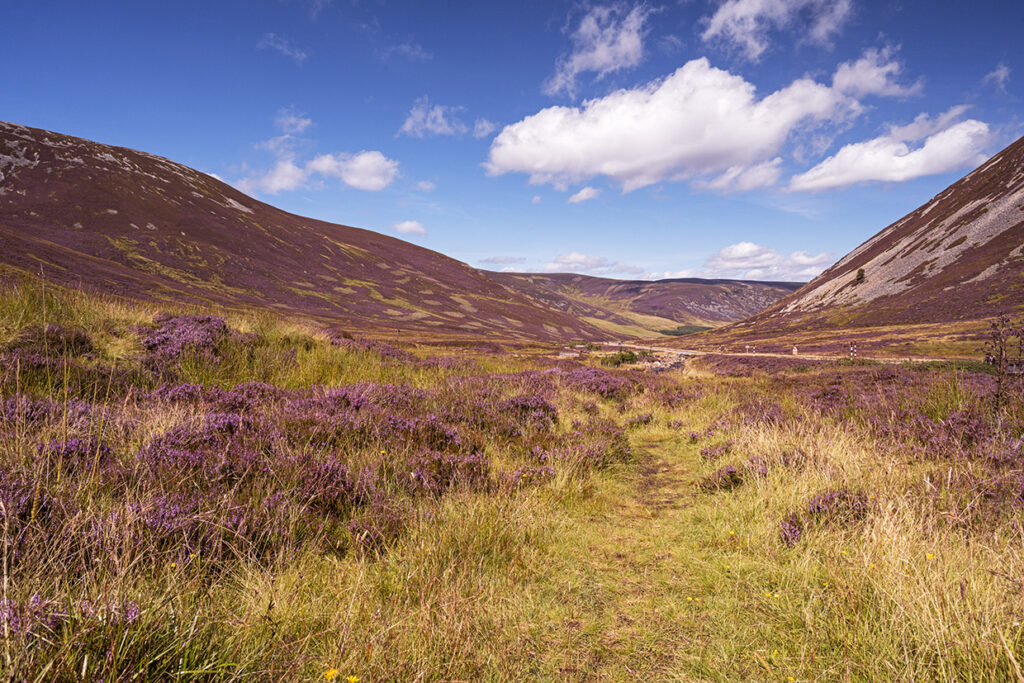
(633, 572)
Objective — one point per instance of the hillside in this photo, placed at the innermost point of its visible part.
(128, 223)
(937, 273)
(648, 305)
(958, 257)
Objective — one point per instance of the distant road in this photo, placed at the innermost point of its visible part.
(695, 352)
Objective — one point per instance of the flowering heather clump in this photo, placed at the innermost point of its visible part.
(715, 452)
(329, 487)
(527, 476)
(433, 473)
(601, 382)
(640, 420)
(75, 455)
(597, 444)
(24, 501)
(248, 396)
(446, 363)
(791, 528)
(187, 393)
(24, 410)
(724, 479)
(378, 525)
(838, 505)
(383, 349)
(175, 336)
(530, 410)
(834, 506)
(760, 412)
(52, 340)
(38, 616)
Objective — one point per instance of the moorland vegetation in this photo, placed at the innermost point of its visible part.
(217, 495)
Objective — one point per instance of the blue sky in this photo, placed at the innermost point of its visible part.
(746, 138)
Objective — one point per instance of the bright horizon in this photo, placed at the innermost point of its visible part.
(740, 139)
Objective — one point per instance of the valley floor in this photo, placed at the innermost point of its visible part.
(185, 497)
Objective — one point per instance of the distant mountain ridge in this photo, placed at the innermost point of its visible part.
(129, 223)
(960, 257)
(653, 305)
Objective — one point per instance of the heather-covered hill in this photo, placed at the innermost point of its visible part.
(651, 305)
(958, 258)
(128, 223)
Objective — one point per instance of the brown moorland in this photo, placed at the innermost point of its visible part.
(118, 221)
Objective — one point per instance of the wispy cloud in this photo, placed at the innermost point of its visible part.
(608, 38)
(503, 260)
(746, 24)
(272, 41)
(426, 119)
(291, 122)
(425, 186)
(409, 50)
(576, 262)
(998, 77)
(585, 194)
(482, 128)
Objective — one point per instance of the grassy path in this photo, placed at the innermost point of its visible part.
(657, 581)
(627, 585)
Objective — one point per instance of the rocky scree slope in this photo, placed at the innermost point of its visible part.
(960, 257)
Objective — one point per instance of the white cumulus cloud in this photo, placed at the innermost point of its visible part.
(285, 175)
(608, 38)
(873, 74)
(367, 170)
(698, 121)
(409, 228)
(889, 158)
(746, 24)
(426, 119)
(750, 261)
(585, 194)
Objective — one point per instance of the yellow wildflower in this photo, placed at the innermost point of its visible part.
(331, 674)
(352, 679)
(930, 556)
